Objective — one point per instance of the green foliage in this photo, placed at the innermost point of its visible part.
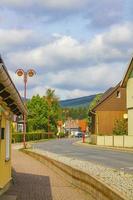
(18, 137)
(91, 106)
(120, 127)
(75, 113)
(37, 113)
(95, 101)
(43, 111)
(61, 134)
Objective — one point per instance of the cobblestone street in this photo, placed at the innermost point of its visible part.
(34, 181)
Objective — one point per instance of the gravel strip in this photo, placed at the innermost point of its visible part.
(114, 178)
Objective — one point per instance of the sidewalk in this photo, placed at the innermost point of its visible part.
(35, 181)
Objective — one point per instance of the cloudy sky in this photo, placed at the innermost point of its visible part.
(76, 47)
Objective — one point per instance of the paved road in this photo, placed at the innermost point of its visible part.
(110, 158)
(35, 181)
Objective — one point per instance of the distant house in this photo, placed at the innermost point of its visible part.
(127, 83)
(10, 105)
(110, 108)
(76, 125)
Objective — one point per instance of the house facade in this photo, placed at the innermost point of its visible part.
(127, 83)
(76, 125)
(10, 105)
(110, 108)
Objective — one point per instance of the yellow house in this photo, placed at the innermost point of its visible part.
(10, 105)
(128, 83)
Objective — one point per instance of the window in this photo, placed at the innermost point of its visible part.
(118, 95)
(2, 132)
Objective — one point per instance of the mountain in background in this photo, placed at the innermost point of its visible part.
(77, 102)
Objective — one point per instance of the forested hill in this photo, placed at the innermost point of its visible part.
(77, 102)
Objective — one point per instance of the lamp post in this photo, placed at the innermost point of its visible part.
(50, 100)
(29, 73)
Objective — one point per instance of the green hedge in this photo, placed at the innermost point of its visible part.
(18, 137)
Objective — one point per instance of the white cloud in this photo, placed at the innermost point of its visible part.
(50, 4)
(107, 46)
(74, 67)
(16, 3)
(120, 34)
(73, 83)
(10, 38)
(87, 78)
(67, 52)
(61, 93)
(104, 13)
(67, 4)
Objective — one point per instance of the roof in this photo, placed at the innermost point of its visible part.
(107, 94)
(9, 93)
(127, 73)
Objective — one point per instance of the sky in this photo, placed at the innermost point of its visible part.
(76, 47)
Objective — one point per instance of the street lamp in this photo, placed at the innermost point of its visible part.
(29, 73)
(50, 101)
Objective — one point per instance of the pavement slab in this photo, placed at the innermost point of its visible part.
(34, 181)
(8, 197)
(118, 180)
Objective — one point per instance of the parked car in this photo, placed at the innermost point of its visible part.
(78, 134)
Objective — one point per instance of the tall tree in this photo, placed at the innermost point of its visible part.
(37, 113)
(53, 109)
(43, 112)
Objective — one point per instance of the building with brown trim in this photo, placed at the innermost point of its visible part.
(10, 104)
(127, 83)
(76, 124)
(110, 108)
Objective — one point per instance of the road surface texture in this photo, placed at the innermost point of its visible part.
(107, 157)
(35, 181)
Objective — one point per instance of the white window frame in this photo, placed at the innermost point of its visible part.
(7, 137)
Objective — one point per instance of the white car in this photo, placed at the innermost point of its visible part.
(78, 134)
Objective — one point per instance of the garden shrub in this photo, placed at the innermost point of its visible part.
(31, 136)
(120, 127)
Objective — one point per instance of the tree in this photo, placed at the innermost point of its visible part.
(37, 113)
(53, 106)
(75, 113)
(43, 112)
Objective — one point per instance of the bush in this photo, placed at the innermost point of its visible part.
(61, 134)
(18, 137)
(120, 127)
